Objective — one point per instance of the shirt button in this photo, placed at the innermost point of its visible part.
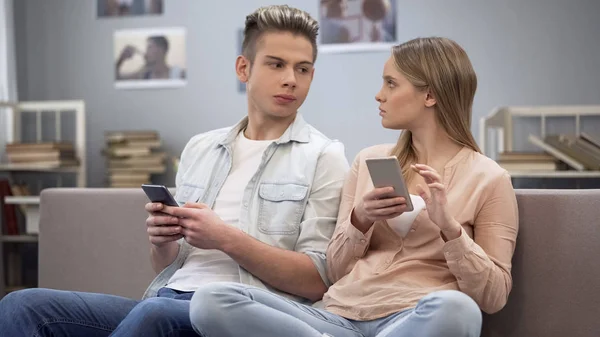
(412, 229)
(363, 240)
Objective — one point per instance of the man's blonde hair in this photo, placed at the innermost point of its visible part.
(278, 18)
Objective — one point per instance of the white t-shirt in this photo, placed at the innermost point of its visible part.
(206, 266)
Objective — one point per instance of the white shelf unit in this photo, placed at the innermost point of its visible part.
(501, 120)
(30, 204)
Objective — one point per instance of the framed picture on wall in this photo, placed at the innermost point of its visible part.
(150, 58)
(124, 8)
(357, 25)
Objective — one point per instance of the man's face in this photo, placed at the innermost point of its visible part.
(279, 79)
(154, 53)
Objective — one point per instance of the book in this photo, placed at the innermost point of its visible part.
(126, 151)
(130, 135)
(567, 144)
(529, 166)
(146, 169)
(558, 154)
(36, 156)
(42, 146)
(9, 211)
(149, 143)
(592, 139)
(515, 156)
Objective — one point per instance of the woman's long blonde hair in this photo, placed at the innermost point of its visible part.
(443, 67)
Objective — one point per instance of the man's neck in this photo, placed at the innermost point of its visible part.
(261, 127)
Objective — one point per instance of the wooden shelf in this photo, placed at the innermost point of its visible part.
(17, 124)
(19, 238)
(37, 168)
(555, 174)
(22, 200)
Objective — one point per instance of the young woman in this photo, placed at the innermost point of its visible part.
(454, 258)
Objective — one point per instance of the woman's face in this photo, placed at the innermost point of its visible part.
(401, 104)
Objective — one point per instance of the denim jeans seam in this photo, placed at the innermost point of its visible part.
(294, 303)
(70, 321)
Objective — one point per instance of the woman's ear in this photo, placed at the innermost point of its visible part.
(430, 99)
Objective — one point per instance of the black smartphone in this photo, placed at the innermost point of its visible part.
(159, 193)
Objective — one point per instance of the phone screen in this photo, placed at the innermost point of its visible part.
(159, 193)
(386, 172)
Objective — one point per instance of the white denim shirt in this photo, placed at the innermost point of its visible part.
(291, 202)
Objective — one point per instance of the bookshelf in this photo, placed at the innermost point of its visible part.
(20, 119)
(496, 134)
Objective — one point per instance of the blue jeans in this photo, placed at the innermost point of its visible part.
(231, 310)
(46, 312)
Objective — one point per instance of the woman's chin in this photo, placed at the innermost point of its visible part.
(391, 125)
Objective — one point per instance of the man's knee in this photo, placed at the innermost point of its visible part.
(456, 314)
(152, 310)
(208, 305)
(19, 301)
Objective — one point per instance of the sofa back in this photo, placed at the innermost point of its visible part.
(95, 240)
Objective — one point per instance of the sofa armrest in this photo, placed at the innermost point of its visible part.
(94, 240)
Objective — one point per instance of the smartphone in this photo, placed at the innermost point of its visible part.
(386, 172)
(159, 193)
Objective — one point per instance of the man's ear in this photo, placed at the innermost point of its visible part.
(430, 100)
(242, 68)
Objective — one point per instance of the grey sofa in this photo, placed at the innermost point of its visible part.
(94, 240)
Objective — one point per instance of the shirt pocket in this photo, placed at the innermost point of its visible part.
(281, 207)
(189, 193)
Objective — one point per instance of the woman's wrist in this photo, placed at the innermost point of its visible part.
(452, 231)
(359, 222)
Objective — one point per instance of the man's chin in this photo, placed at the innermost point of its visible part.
(282, 114)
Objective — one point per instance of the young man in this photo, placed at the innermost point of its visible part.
(260, 202)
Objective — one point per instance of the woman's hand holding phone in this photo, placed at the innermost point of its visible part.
(379, 204)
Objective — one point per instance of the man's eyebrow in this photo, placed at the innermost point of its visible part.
(283, 61)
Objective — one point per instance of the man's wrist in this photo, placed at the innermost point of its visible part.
(163, 246)
(230, 239)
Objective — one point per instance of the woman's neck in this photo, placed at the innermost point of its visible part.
(434, 147)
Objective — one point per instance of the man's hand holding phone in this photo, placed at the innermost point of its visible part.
(196, 222)
(202, 227)
(162, 227)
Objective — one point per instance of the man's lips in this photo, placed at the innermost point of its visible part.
(284, 98)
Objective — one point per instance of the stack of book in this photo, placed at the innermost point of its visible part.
(42, 155)
(528, 161)
(133, 157)
(581, 153)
